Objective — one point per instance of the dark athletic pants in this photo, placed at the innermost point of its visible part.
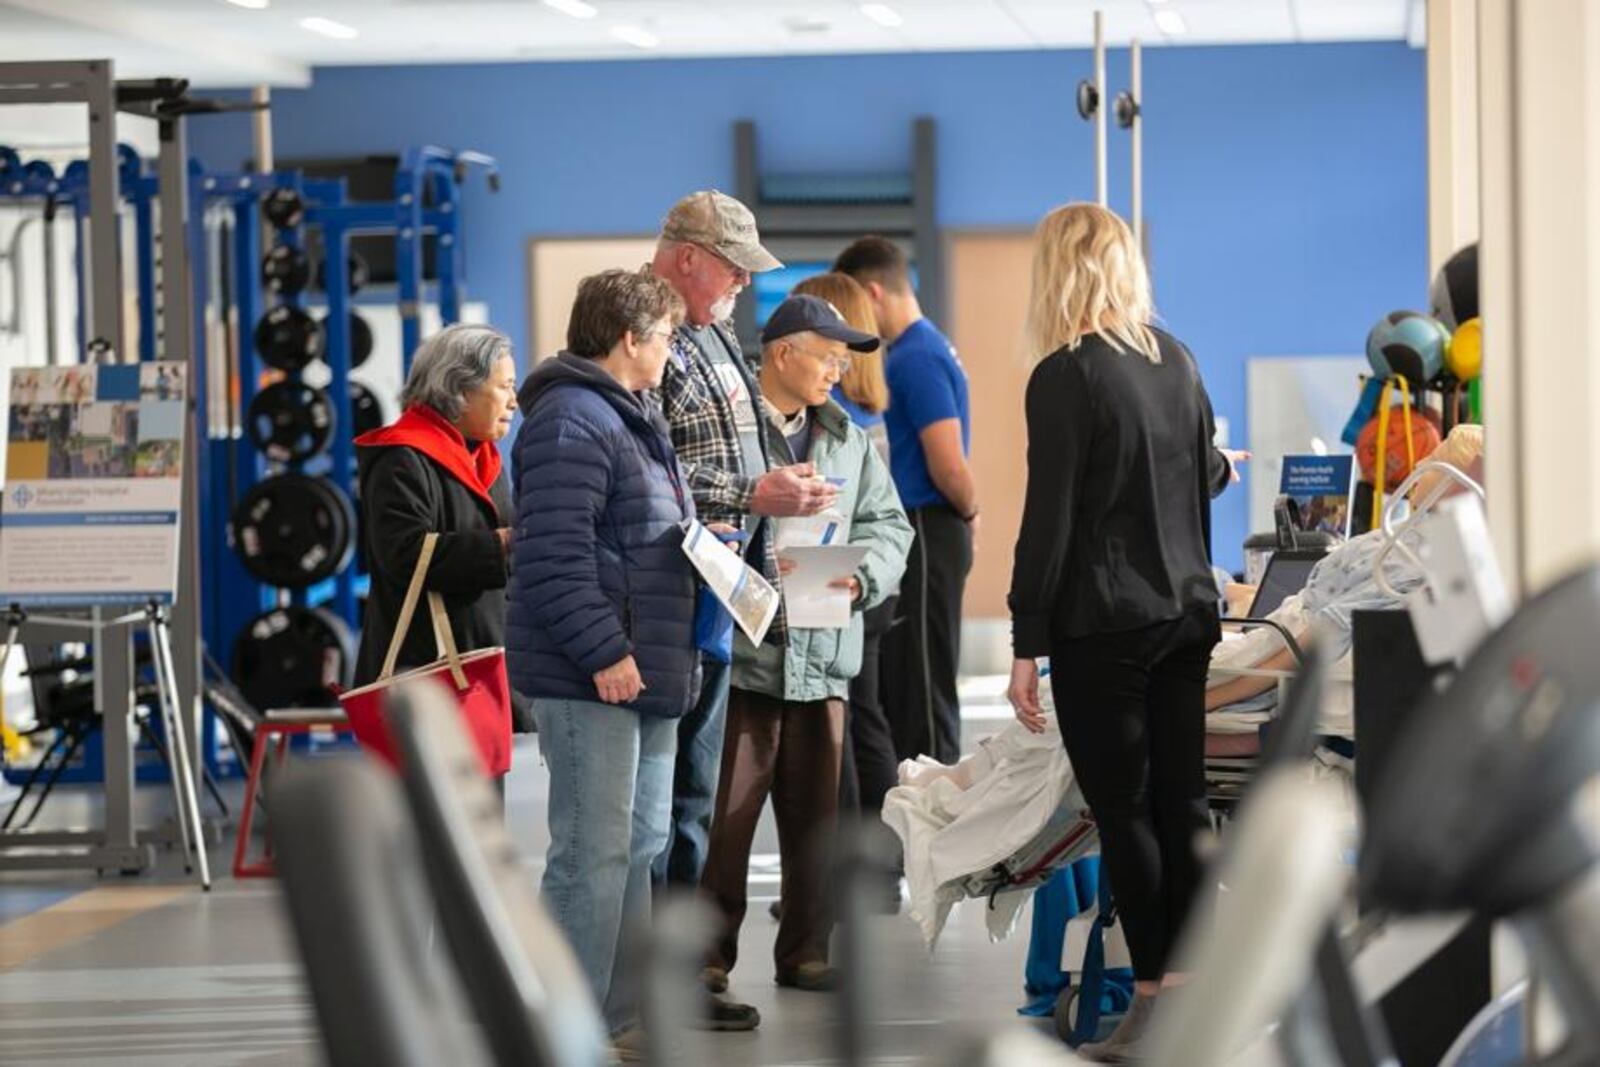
(921, 650)
(1132, 711)
(870, 766)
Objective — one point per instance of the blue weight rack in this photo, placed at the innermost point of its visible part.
(426, 201)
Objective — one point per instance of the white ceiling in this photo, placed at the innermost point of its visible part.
(215, 42)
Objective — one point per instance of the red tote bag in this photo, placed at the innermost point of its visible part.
(478, 680)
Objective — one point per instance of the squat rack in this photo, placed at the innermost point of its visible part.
(117, 844)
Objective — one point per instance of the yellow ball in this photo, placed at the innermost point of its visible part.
(1464, 359)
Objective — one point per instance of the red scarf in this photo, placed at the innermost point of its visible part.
(424, 429)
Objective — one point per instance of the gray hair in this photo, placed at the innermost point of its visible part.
(451, 364)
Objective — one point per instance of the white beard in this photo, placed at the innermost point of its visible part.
(723, 309)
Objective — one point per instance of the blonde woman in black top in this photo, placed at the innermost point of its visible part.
(1112, 578)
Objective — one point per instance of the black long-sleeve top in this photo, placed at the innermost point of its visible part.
(1116, 526)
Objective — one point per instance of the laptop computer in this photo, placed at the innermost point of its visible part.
(1286, 574)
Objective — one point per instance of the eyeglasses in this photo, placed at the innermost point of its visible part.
(837, 364)
(739, 273)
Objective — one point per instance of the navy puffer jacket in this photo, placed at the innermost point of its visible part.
(598, 571)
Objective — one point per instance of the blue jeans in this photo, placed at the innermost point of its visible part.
(694, 786)
(610, 802)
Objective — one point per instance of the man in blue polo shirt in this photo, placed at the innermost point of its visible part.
(930, 432)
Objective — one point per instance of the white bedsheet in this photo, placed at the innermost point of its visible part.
(953, 821)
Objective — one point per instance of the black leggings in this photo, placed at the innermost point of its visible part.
(1132, 712)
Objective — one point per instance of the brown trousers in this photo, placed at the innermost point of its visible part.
(790, 751)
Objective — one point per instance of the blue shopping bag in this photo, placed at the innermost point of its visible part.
(713, 623)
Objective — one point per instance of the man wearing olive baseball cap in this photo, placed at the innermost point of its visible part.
(707, 251)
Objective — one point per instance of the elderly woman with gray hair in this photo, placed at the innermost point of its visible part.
(437, 469)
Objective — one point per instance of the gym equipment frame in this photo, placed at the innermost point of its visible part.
(117, 845)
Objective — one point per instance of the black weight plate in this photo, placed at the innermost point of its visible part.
(285, 269)
(366, 410)
(284, 208)
(358, 273)
(360, 338)
(290, 421)
(293, 657)
(287, 338)
(292, 530)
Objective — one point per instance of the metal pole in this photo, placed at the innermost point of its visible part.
(173, 731)
(1136, 87)
(178, 337)
(1100, 111)
(261, 128)
(185, 769)
(105, 268)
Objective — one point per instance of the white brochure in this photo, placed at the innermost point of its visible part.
(808, 599)
(746, 594)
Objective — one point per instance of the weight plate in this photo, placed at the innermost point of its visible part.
(290, 421)
(285, 270)
(358, 273)
(360, 338)
(287, 338)
(293, 530)
(366, 410)
(284, 208)
(293, 657)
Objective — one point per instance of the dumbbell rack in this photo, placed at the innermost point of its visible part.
(235, 599)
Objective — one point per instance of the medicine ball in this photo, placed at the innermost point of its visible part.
(1425, 437)
(1410, 344)
(1454, 293)
(1465, 358)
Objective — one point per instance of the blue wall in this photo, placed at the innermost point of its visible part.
(1285, 185)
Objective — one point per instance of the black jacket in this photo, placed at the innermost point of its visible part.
(1116, 525)
(404, 496)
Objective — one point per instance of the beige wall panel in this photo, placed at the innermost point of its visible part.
(988, 285)
(555, 267)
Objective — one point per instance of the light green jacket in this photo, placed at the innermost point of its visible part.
(819, 664)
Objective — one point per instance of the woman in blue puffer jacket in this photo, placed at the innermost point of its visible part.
(600, 625)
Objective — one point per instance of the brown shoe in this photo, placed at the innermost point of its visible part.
(810, 977)
(715, 979)
(722, 1014)
(630, 1046)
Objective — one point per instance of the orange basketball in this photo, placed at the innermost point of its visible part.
(1424, 439)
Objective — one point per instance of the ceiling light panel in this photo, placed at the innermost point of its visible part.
(637, 36)
(329, 28)
(883, 15)
(578, 9)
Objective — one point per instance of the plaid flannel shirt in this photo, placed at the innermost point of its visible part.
(706, 439)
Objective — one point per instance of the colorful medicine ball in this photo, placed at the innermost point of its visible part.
(1410, 344)
(1454, 293)
(1465, 358)
(1425, 437)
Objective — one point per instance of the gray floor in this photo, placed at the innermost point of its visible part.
(212, 979)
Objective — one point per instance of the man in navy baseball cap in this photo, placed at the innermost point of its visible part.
(786, 706)
(812, 314)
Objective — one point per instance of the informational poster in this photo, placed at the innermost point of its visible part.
(1323, 489)
(93, 486)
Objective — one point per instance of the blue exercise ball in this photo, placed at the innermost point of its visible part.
(1409, 344)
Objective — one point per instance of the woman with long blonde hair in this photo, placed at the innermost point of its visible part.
(1112, 578)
